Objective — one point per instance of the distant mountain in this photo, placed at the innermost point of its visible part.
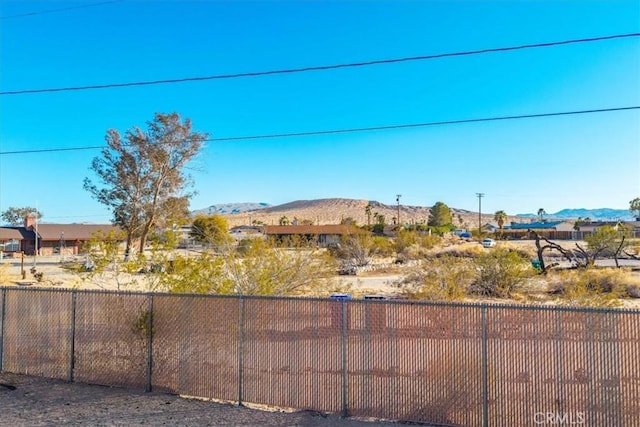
(231, 208)
(595, 214)
(333, 211)
(336, 210)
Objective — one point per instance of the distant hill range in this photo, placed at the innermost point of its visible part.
(230, 208)
(604, 214)
(333, 211)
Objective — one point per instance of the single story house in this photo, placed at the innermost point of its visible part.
(322, 235)
(541, 226)
(593, 226)
(242, 232)
(562, 230)
(490, 227)
(12, 237)
(66, 239)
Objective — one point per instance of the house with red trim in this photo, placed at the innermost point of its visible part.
(64, 239)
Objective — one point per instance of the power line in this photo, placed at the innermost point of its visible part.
(415, 125)
(354, 130)
(319, 67)
(62, 9)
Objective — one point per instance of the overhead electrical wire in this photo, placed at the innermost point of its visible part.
(319, 67)
(361, 129)
(61, 9)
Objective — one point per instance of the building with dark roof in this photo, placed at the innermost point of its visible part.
(322, 235)
(66, 239)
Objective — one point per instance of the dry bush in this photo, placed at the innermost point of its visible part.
(415, 245)
(414, 251)
(500, 273)
(473, 250)
(382, 246)
(5, 277)
(445, 278)
(600, 287)
(525, 252)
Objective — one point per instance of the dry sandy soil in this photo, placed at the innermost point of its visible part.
(40, 401)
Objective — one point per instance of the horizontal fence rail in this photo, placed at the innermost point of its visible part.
(454, 364)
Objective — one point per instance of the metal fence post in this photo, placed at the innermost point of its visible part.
(345, 389)
(240, 349)
(72, 355)
(2, 328)
(149, 343)
(485, 371)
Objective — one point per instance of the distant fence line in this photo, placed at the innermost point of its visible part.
(458, 364)
(549, 234)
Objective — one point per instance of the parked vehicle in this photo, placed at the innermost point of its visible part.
(488, 243)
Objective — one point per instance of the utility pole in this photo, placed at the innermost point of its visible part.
(398, 202)
(480, 196)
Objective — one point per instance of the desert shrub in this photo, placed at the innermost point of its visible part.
(267, 270)
(359, 248)
(414, 251)
(5, 277)
(526, 253)
(465, 251)
(499, 273)
(593, 286)
(633, 291)
(203, 274)
(442, 230)
(244, 245)
(429, 241)
(382, 246)
(74, 267)
(404, 239)
(415, 245)
(407, 238)
(439, 279)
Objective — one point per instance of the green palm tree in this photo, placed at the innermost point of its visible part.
(367, 212)
(541, 213)
(500, 217)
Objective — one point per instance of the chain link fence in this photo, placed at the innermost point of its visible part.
(455, 364)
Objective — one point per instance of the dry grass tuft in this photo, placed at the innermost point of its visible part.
(602, 287)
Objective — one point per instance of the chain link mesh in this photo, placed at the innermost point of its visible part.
(424, 362)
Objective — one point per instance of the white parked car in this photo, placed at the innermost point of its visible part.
(488, 243)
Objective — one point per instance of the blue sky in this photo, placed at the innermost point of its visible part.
(581, 161)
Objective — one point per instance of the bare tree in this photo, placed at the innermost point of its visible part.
(141, 176)
(605, 241)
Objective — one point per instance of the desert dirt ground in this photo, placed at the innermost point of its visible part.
(378, 281)
(54, 276)
(38, 401)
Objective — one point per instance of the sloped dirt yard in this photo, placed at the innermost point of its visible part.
(39, 401)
